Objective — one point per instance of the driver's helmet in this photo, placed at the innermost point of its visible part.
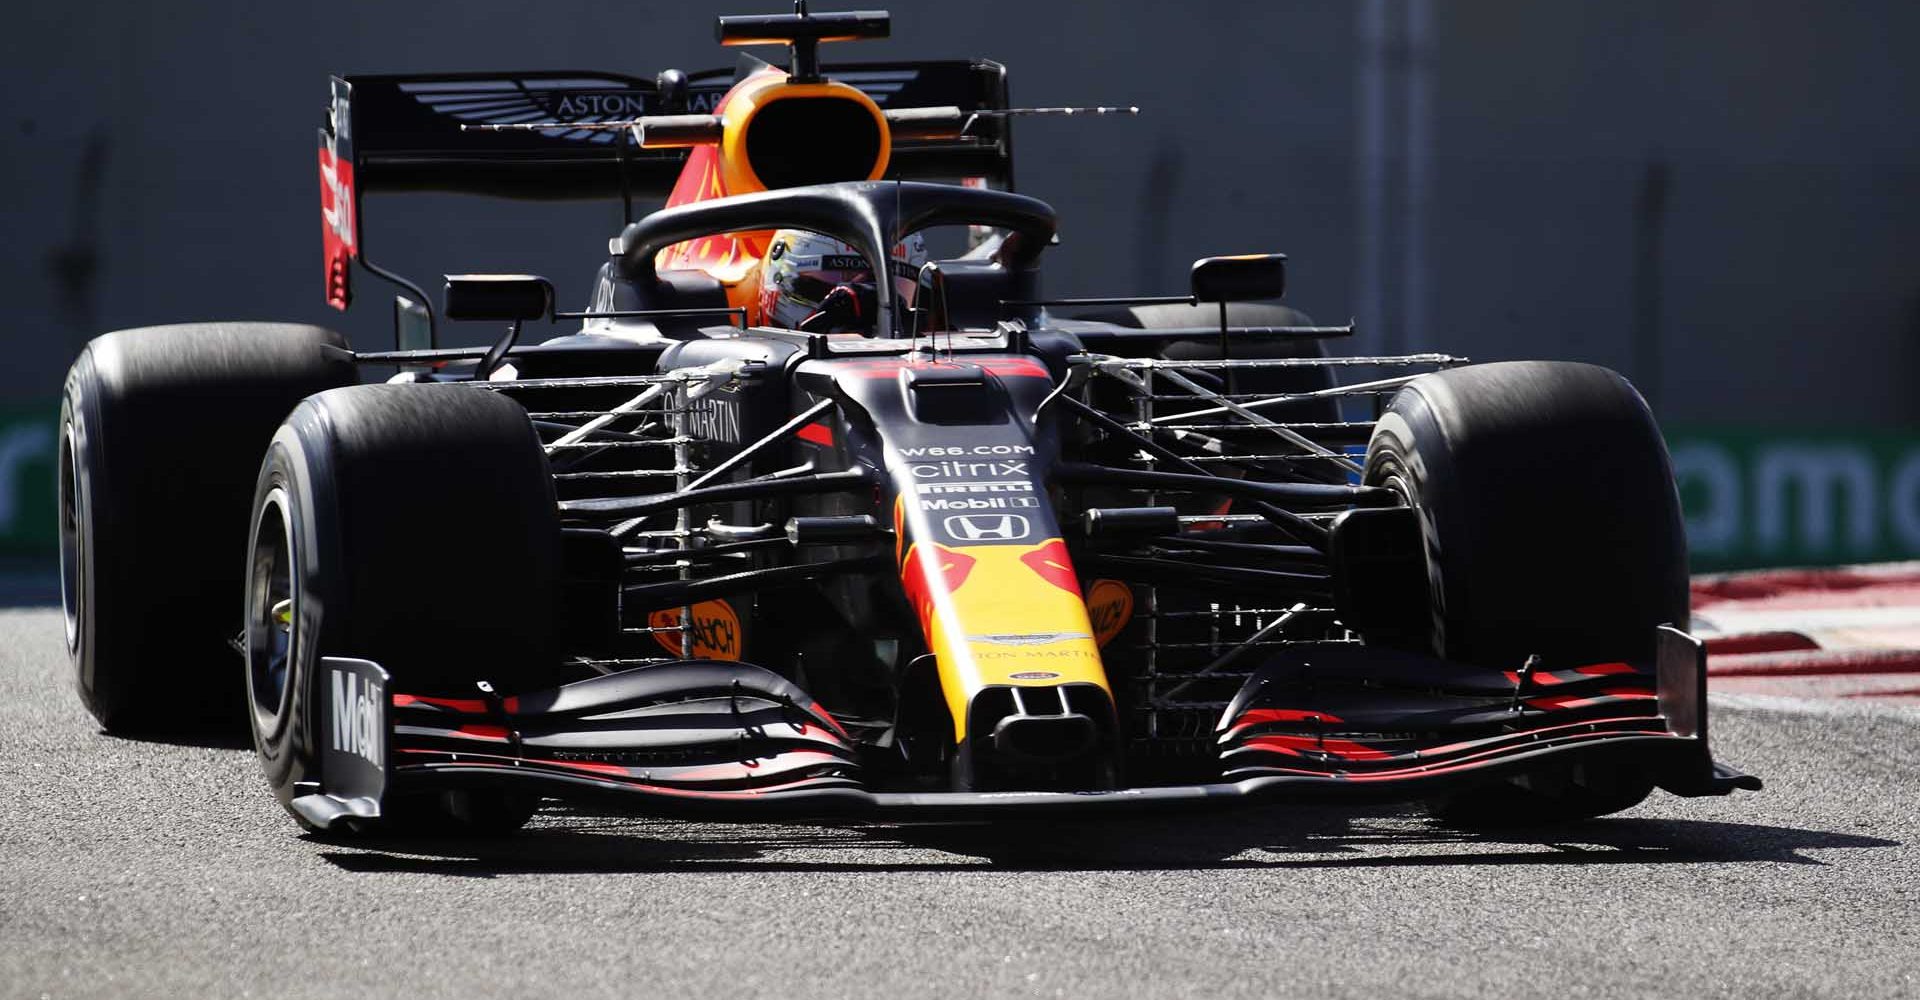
(819, 284)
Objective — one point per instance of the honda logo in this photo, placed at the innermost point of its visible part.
(988, 527)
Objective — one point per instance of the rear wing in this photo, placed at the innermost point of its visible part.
(403, 133)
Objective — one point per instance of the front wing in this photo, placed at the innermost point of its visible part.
(732, 741)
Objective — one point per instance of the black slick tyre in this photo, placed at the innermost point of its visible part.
(161, 431)
(1552, 527)
(414, 526)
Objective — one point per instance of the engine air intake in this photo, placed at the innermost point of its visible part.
(784, 148)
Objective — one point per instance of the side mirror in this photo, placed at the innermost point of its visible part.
(412, 325)
(1240, 278)
(512, 297)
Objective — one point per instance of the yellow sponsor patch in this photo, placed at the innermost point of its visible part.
(1109, 609)
(716, 630)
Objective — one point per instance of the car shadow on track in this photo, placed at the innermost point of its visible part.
(1269, 838)
(224, 738)
(1332, 838)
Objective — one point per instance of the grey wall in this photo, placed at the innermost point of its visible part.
(1788, 266)
(1473, 175)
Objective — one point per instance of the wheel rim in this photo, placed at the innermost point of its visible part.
(72, 540)
(272, 624)
(1395, 479)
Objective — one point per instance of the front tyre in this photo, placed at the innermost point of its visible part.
(414, 526)
(1551, 526)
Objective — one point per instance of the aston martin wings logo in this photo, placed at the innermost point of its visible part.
(880, 84)
(567, 102)
(1027, 638)
(587, 100)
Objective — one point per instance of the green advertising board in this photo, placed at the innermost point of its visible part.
(1769, 497)
(27, 460)
(1753, 497)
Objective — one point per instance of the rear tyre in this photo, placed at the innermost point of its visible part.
(414, 526)
(161, 431)
(1269, 381)
(1552, 526)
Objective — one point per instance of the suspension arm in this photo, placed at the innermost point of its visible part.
(752, 489)
(1285, 520)
(670, 593)
(1314, 495)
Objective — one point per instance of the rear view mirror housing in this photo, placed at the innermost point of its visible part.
(1239, 278)
(513, 297)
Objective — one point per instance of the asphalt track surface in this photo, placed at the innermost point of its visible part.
(146, 869)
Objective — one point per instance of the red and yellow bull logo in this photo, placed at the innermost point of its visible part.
(1001, 614)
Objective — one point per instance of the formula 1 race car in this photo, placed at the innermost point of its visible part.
(803, 521)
